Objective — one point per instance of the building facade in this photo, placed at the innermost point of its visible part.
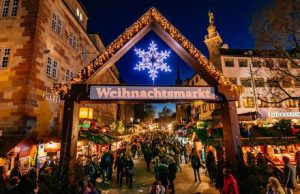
(43, 42)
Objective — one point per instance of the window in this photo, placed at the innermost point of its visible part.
(243, 63)
(237, 103)
(256, 63)
(71, 75)
(283, 64)
(67, 75)
(246, 82)
(196, 79)
(269, 63)
(52, 68)
(59, 27)
(5, 8)
(14, 8)
(72, 40)
(233, 80)
(84, 53)
(297, 83)
(262, 103)
(204, 108)
(5, 57)
(291, 103)
(295, 64)
(273, 83)
(49, 64)
(275, 104)
(80, 17)
(259, 82)
(287, 83)
(229, 63)
(54, 18)
(77, 12)
(248, 102)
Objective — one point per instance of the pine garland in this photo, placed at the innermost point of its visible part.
(98, 138)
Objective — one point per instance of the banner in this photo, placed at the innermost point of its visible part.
(151, 93)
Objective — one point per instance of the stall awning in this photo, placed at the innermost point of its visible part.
(9, 143)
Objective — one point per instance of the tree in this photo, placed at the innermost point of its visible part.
(276, 29)
(144, 112)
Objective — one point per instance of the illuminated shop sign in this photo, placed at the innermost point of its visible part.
(151, 93)
(284, 114)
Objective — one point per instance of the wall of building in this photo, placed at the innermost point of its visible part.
(34, 38)
(244, 72)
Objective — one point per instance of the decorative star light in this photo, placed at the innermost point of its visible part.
(152, 60)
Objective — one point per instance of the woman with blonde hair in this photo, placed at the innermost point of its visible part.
(274, 186)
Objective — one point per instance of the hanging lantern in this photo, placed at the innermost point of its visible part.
(86, 113)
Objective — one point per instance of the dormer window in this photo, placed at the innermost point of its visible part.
(79, 14)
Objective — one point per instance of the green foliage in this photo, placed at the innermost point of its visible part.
(99, 138)
(252, 175)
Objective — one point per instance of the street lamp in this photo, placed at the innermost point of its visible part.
(131, 119)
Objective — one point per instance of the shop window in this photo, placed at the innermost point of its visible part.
(256, 63)
(246, 82)
(229, 63)
(275, 103)
(243, 63)
(233, 80)
(248, 102)
(5, 57)
(204, 108)
(259, 82)
(14, 8)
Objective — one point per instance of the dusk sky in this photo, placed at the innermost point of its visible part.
(232, 18)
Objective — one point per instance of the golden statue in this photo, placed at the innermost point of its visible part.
(211, 17)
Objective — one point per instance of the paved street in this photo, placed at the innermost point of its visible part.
(184, 182)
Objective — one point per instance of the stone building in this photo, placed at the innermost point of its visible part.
(43, 42)
(240, 65)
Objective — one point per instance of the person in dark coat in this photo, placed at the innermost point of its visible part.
(2, 179)
(290, 181)
(195, 161)
(210, 165)
(107, 163)
(26, 186)
(16, 171)
(163, 171)
(13, 186)
(148, 157)
(297, 159)
(172, 173)
(128, 164)
(119, 165)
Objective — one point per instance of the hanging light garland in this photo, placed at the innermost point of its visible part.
(151, 15)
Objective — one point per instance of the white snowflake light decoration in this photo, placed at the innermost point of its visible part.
(152, 60)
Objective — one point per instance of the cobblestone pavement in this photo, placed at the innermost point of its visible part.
(184, 182)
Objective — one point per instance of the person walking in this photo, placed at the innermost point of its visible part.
(210, 165)
(172, 168)
(289, 172)
(195, 162)
(16, 171)
(297, 159)
(128, 164)
(230, 185)
(119, 165)
(148, 157)
(2, 179)
(274, 186)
